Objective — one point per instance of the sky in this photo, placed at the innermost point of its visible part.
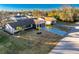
(31, 6)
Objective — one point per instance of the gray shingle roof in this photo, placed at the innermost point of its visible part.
(22, 23)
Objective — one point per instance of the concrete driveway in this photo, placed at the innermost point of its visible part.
(69, 44)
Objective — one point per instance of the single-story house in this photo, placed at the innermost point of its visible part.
(19, 25)
(39, 22)
(17, 18)
(50, 20)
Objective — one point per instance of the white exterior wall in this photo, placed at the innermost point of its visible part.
(41, 20)
(48, 22)
(9, 29)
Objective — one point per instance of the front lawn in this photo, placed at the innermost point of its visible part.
(29, 42)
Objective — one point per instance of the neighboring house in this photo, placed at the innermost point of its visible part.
(17, 18)
(50, 20)
(29, 15)
(19, 25)
(39, 21)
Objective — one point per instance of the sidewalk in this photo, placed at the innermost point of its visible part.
(69, 44)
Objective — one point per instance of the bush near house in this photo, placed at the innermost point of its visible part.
(18, 28)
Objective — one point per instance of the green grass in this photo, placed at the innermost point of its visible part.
(65, 23)
(3, 37)
(32, 44)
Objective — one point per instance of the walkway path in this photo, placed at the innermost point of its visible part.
(69, 44)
